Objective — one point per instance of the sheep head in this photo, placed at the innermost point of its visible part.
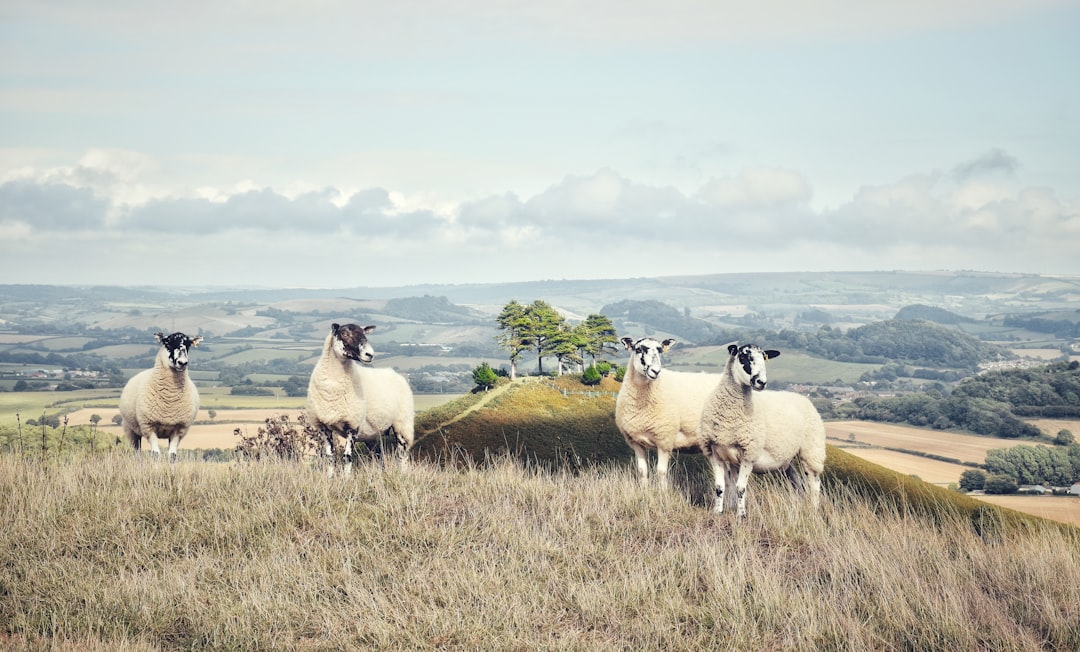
(350, 341)
(176, 347)
(747, 364)
(646, 353)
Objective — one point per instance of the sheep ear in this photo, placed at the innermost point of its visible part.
(628, 342)
(732, 348)
(195, 341)
(668, 343)
(334, 328)
(160, 337)
(771, 353)
(368, 329)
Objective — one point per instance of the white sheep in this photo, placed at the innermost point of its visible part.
(659, 410)
(389, 404)
(161, 402)
(752, 430)
(335, 400)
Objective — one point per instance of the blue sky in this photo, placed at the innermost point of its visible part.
(334, 144)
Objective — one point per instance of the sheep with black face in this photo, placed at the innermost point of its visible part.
(161, 402)
(659, 408)
(335, 400)
(745, 428)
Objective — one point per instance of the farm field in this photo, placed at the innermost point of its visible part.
(933, 471)
(1065, 509)
(965, 447)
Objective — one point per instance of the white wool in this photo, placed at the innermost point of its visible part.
(759, 431)
(159, 403)
(390, 404)
(661, 413)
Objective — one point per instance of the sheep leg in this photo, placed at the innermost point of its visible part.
(663, 461)
(155, 448)
(746, 468)
(719, 471)
(402, 448)
(347, 458)
(174, 441)
(328, 449)
(814, 480)
(641, 457)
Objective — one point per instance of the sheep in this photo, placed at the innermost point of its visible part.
(335, 401)
(752, 430)
(161, 401)
(661, 411)
(390, 404)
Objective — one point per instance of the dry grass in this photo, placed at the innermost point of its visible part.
(115, 552)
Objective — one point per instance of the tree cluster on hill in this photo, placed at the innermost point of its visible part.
(1050, 391)
(540, 328)
(988, 404)
(660, 316)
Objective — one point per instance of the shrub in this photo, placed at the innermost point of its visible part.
(1000, 484)
(484, 376)
(973, 480)
(591, 376)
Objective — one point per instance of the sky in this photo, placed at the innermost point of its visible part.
(330, 143)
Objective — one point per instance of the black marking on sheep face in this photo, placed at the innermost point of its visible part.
(748, 364)
(646, 351)
(350, 341)
(176, 348)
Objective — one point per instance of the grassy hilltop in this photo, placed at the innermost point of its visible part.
(521, 526)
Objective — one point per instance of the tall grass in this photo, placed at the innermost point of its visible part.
(117, 552)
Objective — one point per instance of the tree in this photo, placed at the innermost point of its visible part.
(600, 336)
(565, 346)
(484, 376)
(514, 322)
(117, 419)
(212, 413)
(1064, 437)
(94, 419)
(1000, 484)
(543, 330)
(973, 480)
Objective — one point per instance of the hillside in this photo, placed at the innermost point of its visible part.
(509, 556)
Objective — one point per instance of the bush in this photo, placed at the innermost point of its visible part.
(973, 480)
(591, 376)
(1000, 484)
(484, 376)
(280, 439)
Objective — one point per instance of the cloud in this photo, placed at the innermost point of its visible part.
(994, 162)
(51, 206)
(757, 218)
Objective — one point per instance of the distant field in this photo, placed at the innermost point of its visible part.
(1058, 508)
(927, 470)
(966, 448)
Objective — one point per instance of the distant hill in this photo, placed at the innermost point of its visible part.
(432, 310)
(661, 317)
(931, 313)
